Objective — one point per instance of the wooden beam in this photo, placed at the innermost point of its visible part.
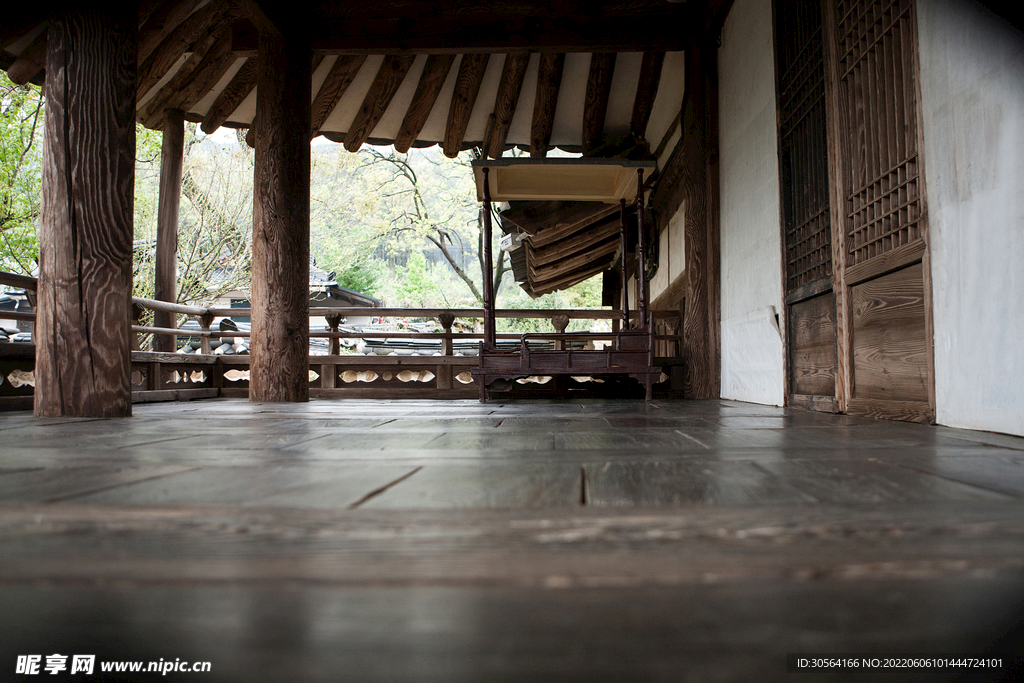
(549, 80)
(19, 20)
(241, 85)
(185, 37)
(279, 360)
(595, 108)
(467, 87)
(465, 26)
(389, 77)
(214, 64)
(146, 10)
(152, 112)
(172, 154)
(509, 89)
(646, 91)
(31, 61)
(339, 78)
(435, 71)
(164, 20)
(82, 336)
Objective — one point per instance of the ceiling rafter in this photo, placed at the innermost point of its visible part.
(240, 87)
(339, 78)
(389, 78)
(599, 90)
(152, 113)
(646, 91)
(30, 63)
(549, 81)
(435, 72)
(165, 19)
(467, 87)
(509, 88)
(182, 39)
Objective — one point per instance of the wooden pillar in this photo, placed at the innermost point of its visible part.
(489, 333)
(641, 266)
(83, 334)
(171, 159)
(279, 361)
(624, 248)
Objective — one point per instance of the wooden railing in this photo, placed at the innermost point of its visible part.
(176, 376)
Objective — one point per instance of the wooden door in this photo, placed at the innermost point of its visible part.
(878, 211)
(808, 269)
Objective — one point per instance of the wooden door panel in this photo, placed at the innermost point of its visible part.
(812, 346)
(890, 345)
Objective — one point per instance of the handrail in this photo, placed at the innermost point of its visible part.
(15, 280)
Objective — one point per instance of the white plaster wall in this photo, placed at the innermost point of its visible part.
(752, 353)
(671, 253)
(972, 91)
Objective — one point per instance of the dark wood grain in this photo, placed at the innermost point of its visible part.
(691, 174)
(161, 23)
(187, 36)
(812, 346)
(435, 72)
(389, 78)
(467, 87)
(509, 88)
(152, 112)
(30, 62)
(172, 154)
(215, 63)
(889, 345)
(339, 78)
(82, 336)
(595, 106)
(280, 284)
(549, 80)
(646, 91)
(240, 87)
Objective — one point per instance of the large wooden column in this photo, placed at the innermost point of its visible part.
(82, 335)
(171, 159)
(279, 361)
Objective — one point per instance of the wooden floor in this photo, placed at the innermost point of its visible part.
(458, 541)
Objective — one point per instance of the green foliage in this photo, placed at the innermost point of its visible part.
(21, 134)
(362, 278)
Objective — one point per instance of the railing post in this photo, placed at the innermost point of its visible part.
(623, 242)
(137, 320)
(444, 372)
(204, 341)
(560, 322)
(641, 266)
(333, 320)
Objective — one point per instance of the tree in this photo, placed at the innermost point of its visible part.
(21, 126)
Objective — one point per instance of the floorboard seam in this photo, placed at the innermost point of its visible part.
(382, 489)
(982, 487)
(72, 496)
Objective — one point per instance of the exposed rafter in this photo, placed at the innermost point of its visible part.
(549, 80)
(182, 39)
(509, 89)
(241, 85)
(169, 96)
(160, 24)
(339, 78)
(389, 77)
(467, 87)
(646, 91)
(595, 108)
(31, 61)
(435, 71)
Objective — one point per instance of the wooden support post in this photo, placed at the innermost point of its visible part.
(137, 320)
(623, 245)
(279, 364)
(489, 334)
(447, 320)
(333, 320)
(83, 338)
(204, 324)
(560, 322)
(171, 159)
(641, 266)
(328, 375)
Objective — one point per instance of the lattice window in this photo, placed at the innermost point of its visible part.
(879, 120)
(803, 142)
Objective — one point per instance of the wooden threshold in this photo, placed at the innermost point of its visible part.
(822, 404)
(906, 411)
